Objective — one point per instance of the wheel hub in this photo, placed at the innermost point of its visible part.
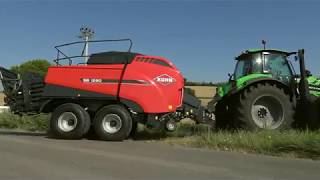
(171, 126)
(267, 112)
(70, 122)
(112, 123)
(67, 121)
(262, 113)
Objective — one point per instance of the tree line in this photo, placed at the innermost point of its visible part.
(36, 65)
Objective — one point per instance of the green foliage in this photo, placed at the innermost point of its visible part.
(219, 83)
(203, 83)
(38, 66)
(30, 123)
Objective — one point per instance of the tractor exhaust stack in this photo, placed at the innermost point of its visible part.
(303, 84)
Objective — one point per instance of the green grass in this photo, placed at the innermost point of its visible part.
(30, 123)
(292, 143)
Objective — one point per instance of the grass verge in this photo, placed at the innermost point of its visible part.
(291, 143)
(30, 123)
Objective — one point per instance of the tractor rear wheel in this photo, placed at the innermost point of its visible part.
(113, 123)
(264, 106)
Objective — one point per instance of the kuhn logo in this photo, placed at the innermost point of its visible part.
(164, 79)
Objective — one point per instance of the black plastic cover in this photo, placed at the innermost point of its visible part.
(190, 100)
(112, 57)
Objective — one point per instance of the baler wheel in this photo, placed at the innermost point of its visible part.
(69, 121)
(112, 123)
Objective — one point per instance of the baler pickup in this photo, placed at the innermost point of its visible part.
(23, 93)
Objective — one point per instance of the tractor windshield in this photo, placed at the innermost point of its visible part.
(277, 64)
(247, 65)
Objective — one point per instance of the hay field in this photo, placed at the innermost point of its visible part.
(1, 99)
(204, 93)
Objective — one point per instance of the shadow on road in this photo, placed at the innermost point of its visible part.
(147, 136)
(139, 136)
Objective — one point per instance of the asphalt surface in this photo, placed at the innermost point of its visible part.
(34, 156)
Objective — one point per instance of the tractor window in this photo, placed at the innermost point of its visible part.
(278, 66)
(242, 68)
(248, 65)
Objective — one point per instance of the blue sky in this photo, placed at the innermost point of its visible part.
(200, 37)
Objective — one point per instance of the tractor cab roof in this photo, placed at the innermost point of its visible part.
(257, 50)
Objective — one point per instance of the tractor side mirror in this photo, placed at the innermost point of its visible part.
(230, 76)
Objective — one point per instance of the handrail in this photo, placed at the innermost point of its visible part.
(85, 43)
(97, 41)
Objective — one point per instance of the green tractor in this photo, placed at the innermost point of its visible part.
(265, 93)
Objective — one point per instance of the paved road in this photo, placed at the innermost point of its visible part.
(33, 156)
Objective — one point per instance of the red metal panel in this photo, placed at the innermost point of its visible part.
(70, 76)
(154, 97)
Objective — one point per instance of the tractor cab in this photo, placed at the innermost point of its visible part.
(264, 61)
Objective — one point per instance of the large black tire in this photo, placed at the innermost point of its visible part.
(264, 106)
(113, 123)
(134, 129)
(312, 113)
(223, 116)
(69, 121)
(316, 115)
(307, 115)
